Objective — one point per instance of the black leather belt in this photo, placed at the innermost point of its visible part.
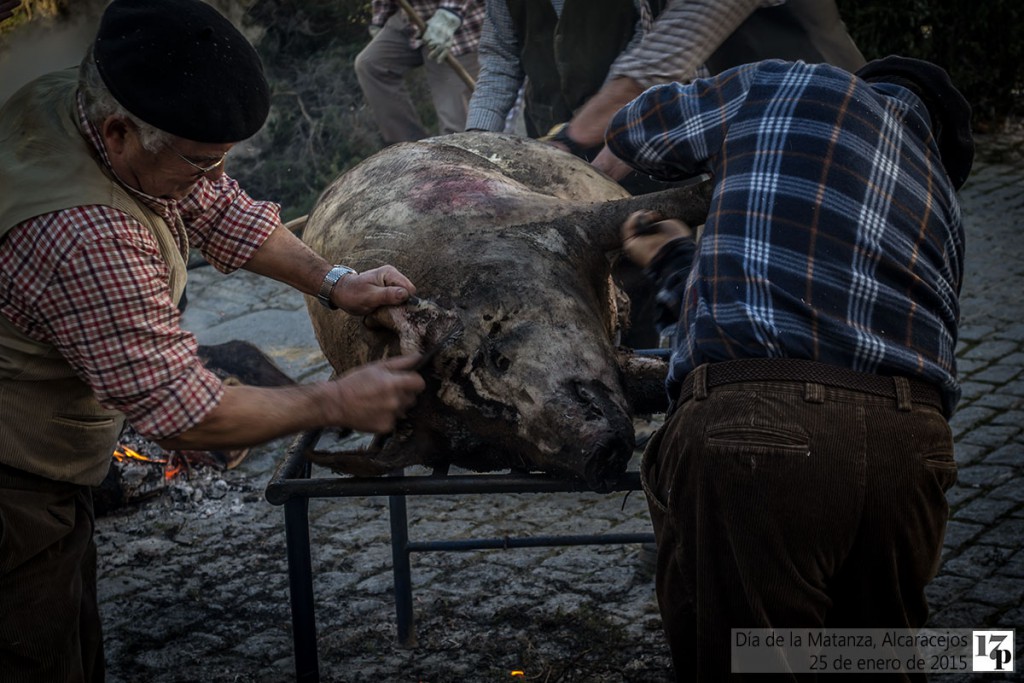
(809, 372)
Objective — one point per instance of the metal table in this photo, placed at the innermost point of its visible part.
(292, 487)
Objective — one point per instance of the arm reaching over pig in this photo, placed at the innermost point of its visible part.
(370, 398)
(284, 257)
(688, 37)
(609, 164)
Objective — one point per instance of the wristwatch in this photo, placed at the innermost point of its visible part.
(332, 278)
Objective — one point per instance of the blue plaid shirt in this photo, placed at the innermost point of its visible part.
(834, 233)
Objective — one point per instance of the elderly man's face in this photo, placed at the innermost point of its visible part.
(172, 171)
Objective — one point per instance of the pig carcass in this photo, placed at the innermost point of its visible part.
(511, 241)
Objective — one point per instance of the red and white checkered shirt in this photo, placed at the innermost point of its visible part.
(90, 281)
(467, 37)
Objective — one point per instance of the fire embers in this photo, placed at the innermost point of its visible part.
(138, 471)
(173, 464)
(141, 471)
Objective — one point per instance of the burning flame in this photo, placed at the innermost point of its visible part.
(174, 465)
(171, 465)
(122, 453)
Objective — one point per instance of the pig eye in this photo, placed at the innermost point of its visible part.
(488, 355)
(498, 361)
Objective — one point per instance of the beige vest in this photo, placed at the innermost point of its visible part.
(50, 422)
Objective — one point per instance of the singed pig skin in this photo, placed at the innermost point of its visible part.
(511, 238)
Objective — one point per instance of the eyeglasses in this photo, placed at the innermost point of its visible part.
(203, 169)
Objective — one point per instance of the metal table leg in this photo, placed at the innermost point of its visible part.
(292, 487)
(402, 571)
(300, 582)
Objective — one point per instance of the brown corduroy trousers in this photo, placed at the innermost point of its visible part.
(792, 505)
(49, 619)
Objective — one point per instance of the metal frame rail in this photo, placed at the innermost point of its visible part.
(292, 487)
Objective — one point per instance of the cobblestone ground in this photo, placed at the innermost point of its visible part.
(194, 583)
(981, 582)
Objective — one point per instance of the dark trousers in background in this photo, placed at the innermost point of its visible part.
(381, 68)
(791, 505)
(49, 619)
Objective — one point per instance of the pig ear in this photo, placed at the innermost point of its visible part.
(643, 381)
(419, 323)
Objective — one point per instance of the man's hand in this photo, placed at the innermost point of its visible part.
(440, 33)
(362, 293)
(370, 398)
(645, 232)
(608, 163)
(589, 124)
(373, 397)
(559, 137)
(7, 8)
(373, 29)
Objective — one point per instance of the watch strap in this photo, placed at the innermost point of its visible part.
(331, 280)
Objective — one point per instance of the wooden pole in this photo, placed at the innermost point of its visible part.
(297, 225)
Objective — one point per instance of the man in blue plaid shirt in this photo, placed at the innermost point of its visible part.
(799, 479)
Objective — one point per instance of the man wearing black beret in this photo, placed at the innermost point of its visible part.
(109, 177)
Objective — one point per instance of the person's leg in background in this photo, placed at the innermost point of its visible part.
(449, 92)
(380, 69)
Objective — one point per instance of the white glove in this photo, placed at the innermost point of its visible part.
(374, 30)
(440, 33)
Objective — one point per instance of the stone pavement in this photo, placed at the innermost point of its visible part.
(193, 584)
(981, 581)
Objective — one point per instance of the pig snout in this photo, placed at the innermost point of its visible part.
(606, 435)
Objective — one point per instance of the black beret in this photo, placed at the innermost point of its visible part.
(181, 66)
(948, 108)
